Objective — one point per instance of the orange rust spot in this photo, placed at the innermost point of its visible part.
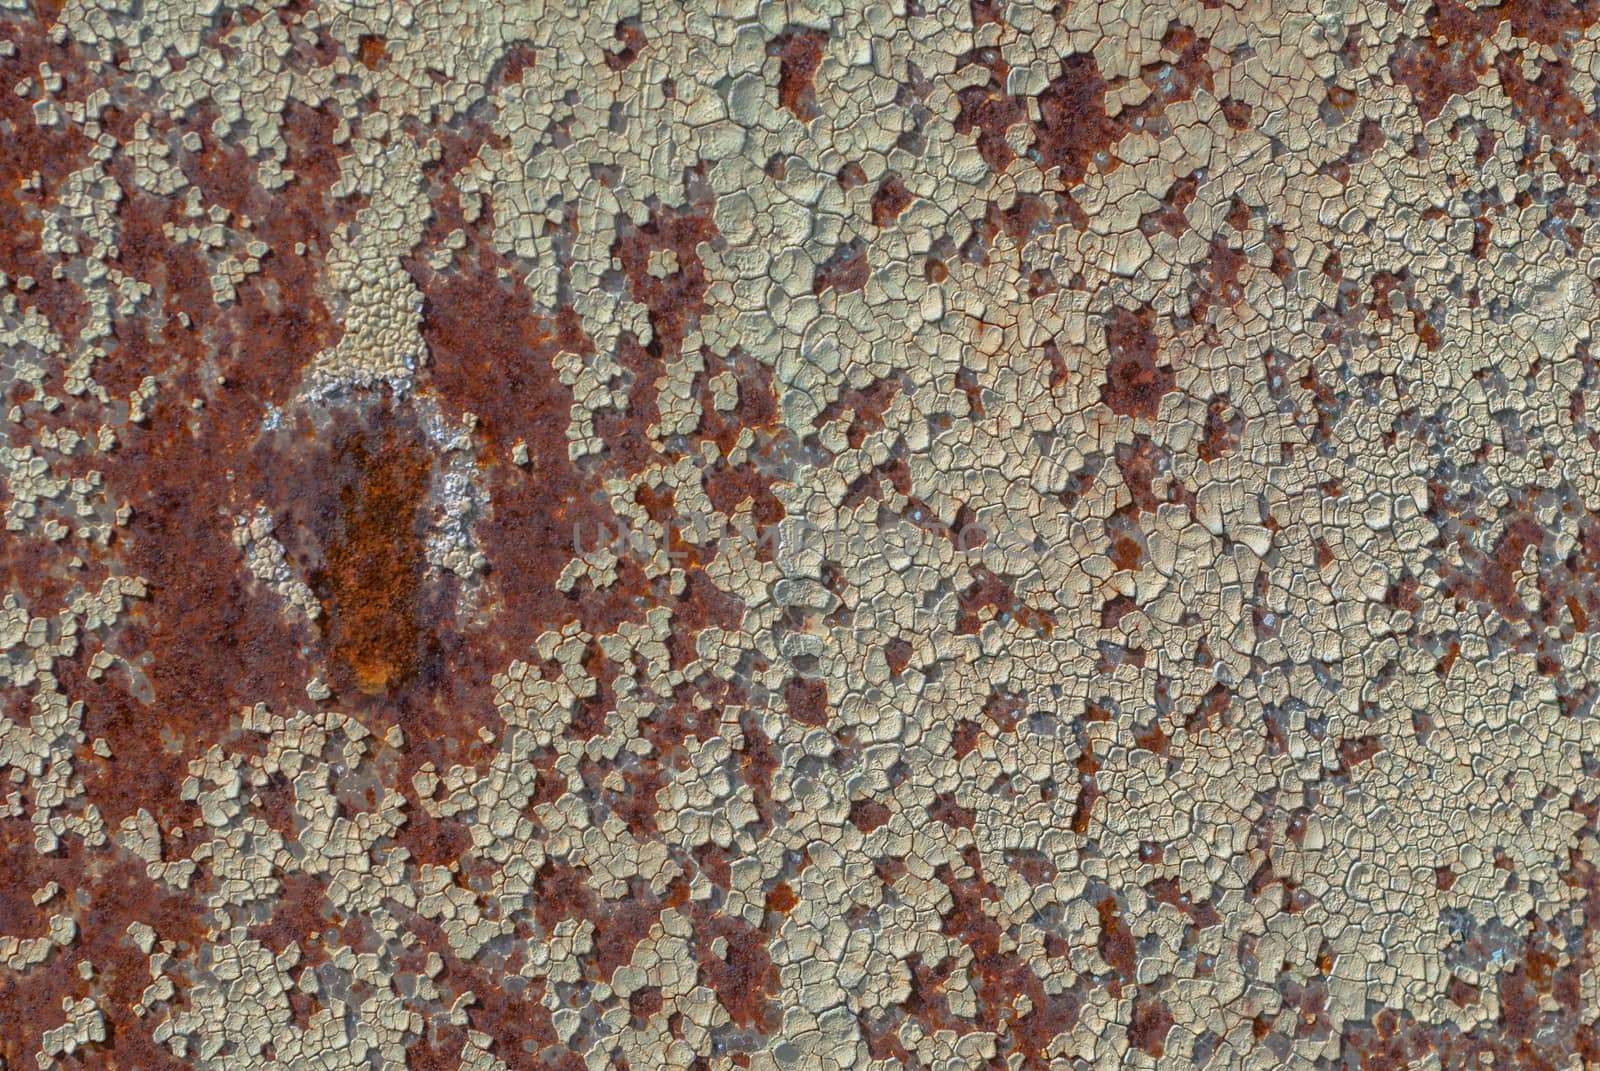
(1115, 945)
(1126, 553)
(376, 558)
(800, 54)
(781, 898)
(372, 51)
(898, 656)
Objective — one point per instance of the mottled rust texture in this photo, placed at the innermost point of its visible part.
(932, 535)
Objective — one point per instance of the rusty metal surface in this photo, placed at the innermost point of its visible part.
(759, 535)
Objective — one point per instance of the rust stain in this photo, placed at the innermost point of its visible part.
(1135, 383)
(799, 51)
(375, 558)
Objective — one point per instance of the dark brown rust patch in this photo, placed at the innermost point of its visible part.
(807, 701)
(1135, 384)
(744, 979)
(867, 815)
(633, 43)
(865, 408)
(372, 51)
(103, 895)
(675, 299)
(987, 110)
(1073, 128)
(1224, 426)
(846, 271)
(945, 809)
(898, 656)
(1170, 218)
(1145, 466)
(1449, 59)
(1116, 945)
(1216, 280)
(1212, 707)
(1035, 866)
(517, 61)
(1000, 977)
(189, 469)
(991, 597)
(1152, 1020)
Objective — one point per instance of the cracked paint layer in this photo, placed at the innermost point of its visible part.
(784, 534)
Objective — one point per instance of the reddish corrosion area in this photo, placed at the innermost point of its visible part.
(355, 482)
(52, 153)
(1147, 1032)
(1000, 979)
(205, 640)
(846, 271)
(1073, 126)
(799, 51)
(350, 500)
(1543, 1024)
(633, 42)
(492, 355)
(1073, 132)
(375, 559)
(1135, 383)
(891, 199)
(1451, 59)
(1223, 429)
